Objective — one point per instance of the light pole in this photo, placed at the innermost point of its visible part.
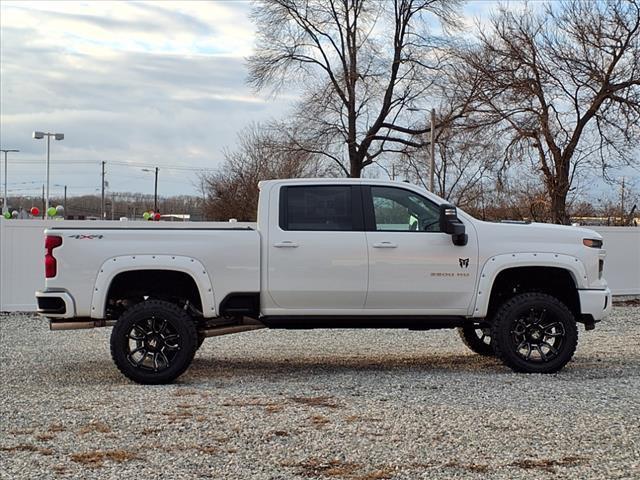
(41, 135)
(5, 208)
(155, 189)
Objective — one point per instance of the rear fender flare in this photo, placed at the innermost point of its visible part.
(126, 263)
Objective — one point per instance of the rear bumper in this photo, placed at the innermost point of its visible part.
(55, 304)
(595, 303)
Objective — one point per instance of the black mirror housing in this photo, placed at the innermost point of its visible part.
(451, 224)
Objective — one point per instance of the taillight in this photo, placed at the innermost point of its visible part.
(50, 264)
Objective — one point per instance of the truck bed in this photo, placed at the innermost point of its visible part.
(229, 256)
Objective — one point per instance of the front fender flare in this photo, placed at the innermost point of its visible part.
(494, 265)
(116, 265)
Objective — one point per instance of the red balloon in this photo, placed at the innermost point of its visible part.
(156, 217)
(35, 211)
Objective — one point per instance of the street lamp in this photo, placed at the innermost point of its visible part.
(39, 136)
(155, 189)
(5, 208)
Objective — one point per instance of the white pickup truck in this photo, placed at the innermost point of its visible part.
(329, 254)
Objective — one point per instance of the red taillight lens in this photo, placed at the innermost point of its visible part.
(50, 264)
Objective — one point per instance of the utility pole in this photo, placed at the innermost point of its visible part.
(155, 193)
(432, 148)
(102, 200)
(64, 203)
(44, 212)
(5, 207)
(622, 204)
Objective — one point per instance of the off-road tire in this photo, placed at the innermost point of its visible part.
(201, 338)
(477, 344)
(178, 336)
(510, 320)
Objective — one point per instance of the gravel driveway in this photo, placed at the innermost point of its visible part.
(358, 405)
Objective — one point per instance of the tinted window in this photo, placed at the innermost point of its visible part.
(327, 208)
(396, 209)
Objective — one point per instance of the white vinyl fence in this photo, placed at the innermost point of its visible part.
(22, 252)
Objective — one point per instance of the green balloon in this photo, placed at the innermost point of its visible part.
(7, 215)
(146, 215)
(52, 211)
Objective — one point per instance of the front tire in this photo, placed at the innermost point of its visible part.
(154, 342)
(477, 338)
(534, 333)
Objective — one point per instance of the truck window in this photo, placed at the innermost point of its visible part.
(317, 208)
(399, 210)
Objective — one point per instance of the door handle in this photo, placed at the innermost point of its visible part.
(286, 244)
(384, 245)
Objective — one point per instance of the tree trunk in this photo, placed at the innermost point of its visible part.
(559, 206)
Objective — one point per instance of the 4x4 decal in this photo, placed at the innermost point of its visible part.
(86, 237)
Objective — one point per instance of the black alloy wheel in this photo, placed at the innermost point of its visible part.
(534, 333)
(477, 338)
(154, 342)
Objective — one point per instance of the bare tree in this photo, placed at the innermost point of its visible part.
(360, 65)
(564, 85)
(262, 154)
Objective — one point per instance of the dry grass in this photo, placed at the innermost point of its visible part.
(322, 401)
(319, 420)
(23, 447)
(184, 392)
(22, 431)
(313, 467)
(95, 426)
(97, 458)
(471, 467)
(209, 449)
(548, 465)
(56, 427)
(178, 416)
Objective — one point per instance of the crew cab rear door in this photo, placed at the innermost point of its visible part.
(317, 251)
(414, 268)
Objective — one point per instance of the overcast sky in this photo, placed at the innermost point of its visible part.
(145, 83)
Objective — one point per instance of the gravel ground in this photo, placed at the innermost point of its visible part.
(358, 405)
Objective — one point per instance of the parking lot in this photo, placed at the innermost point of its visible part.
(341, 404)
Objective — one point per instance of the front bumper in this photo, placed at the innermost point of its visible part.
(595, 303)
(55, 304)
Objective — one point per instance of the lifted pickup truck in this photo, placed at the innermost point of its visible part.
(329, 254)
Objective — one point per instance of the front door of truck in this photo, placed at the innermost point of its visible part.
(413, 267)
(317, 251)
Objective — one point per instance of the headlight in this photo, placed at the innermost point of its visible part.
(592, 242)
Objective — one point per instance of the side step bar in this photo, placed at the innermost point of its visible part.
(80, 325)
(210, 331)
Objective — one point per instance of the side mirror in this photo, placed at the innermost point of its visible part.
(451, 224)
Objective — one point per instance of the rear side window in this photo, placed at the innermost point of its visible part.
(318, 208)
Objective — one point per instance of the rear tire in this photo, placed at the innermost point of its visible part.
(477, 338)
(534, 333)
(154, 342)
